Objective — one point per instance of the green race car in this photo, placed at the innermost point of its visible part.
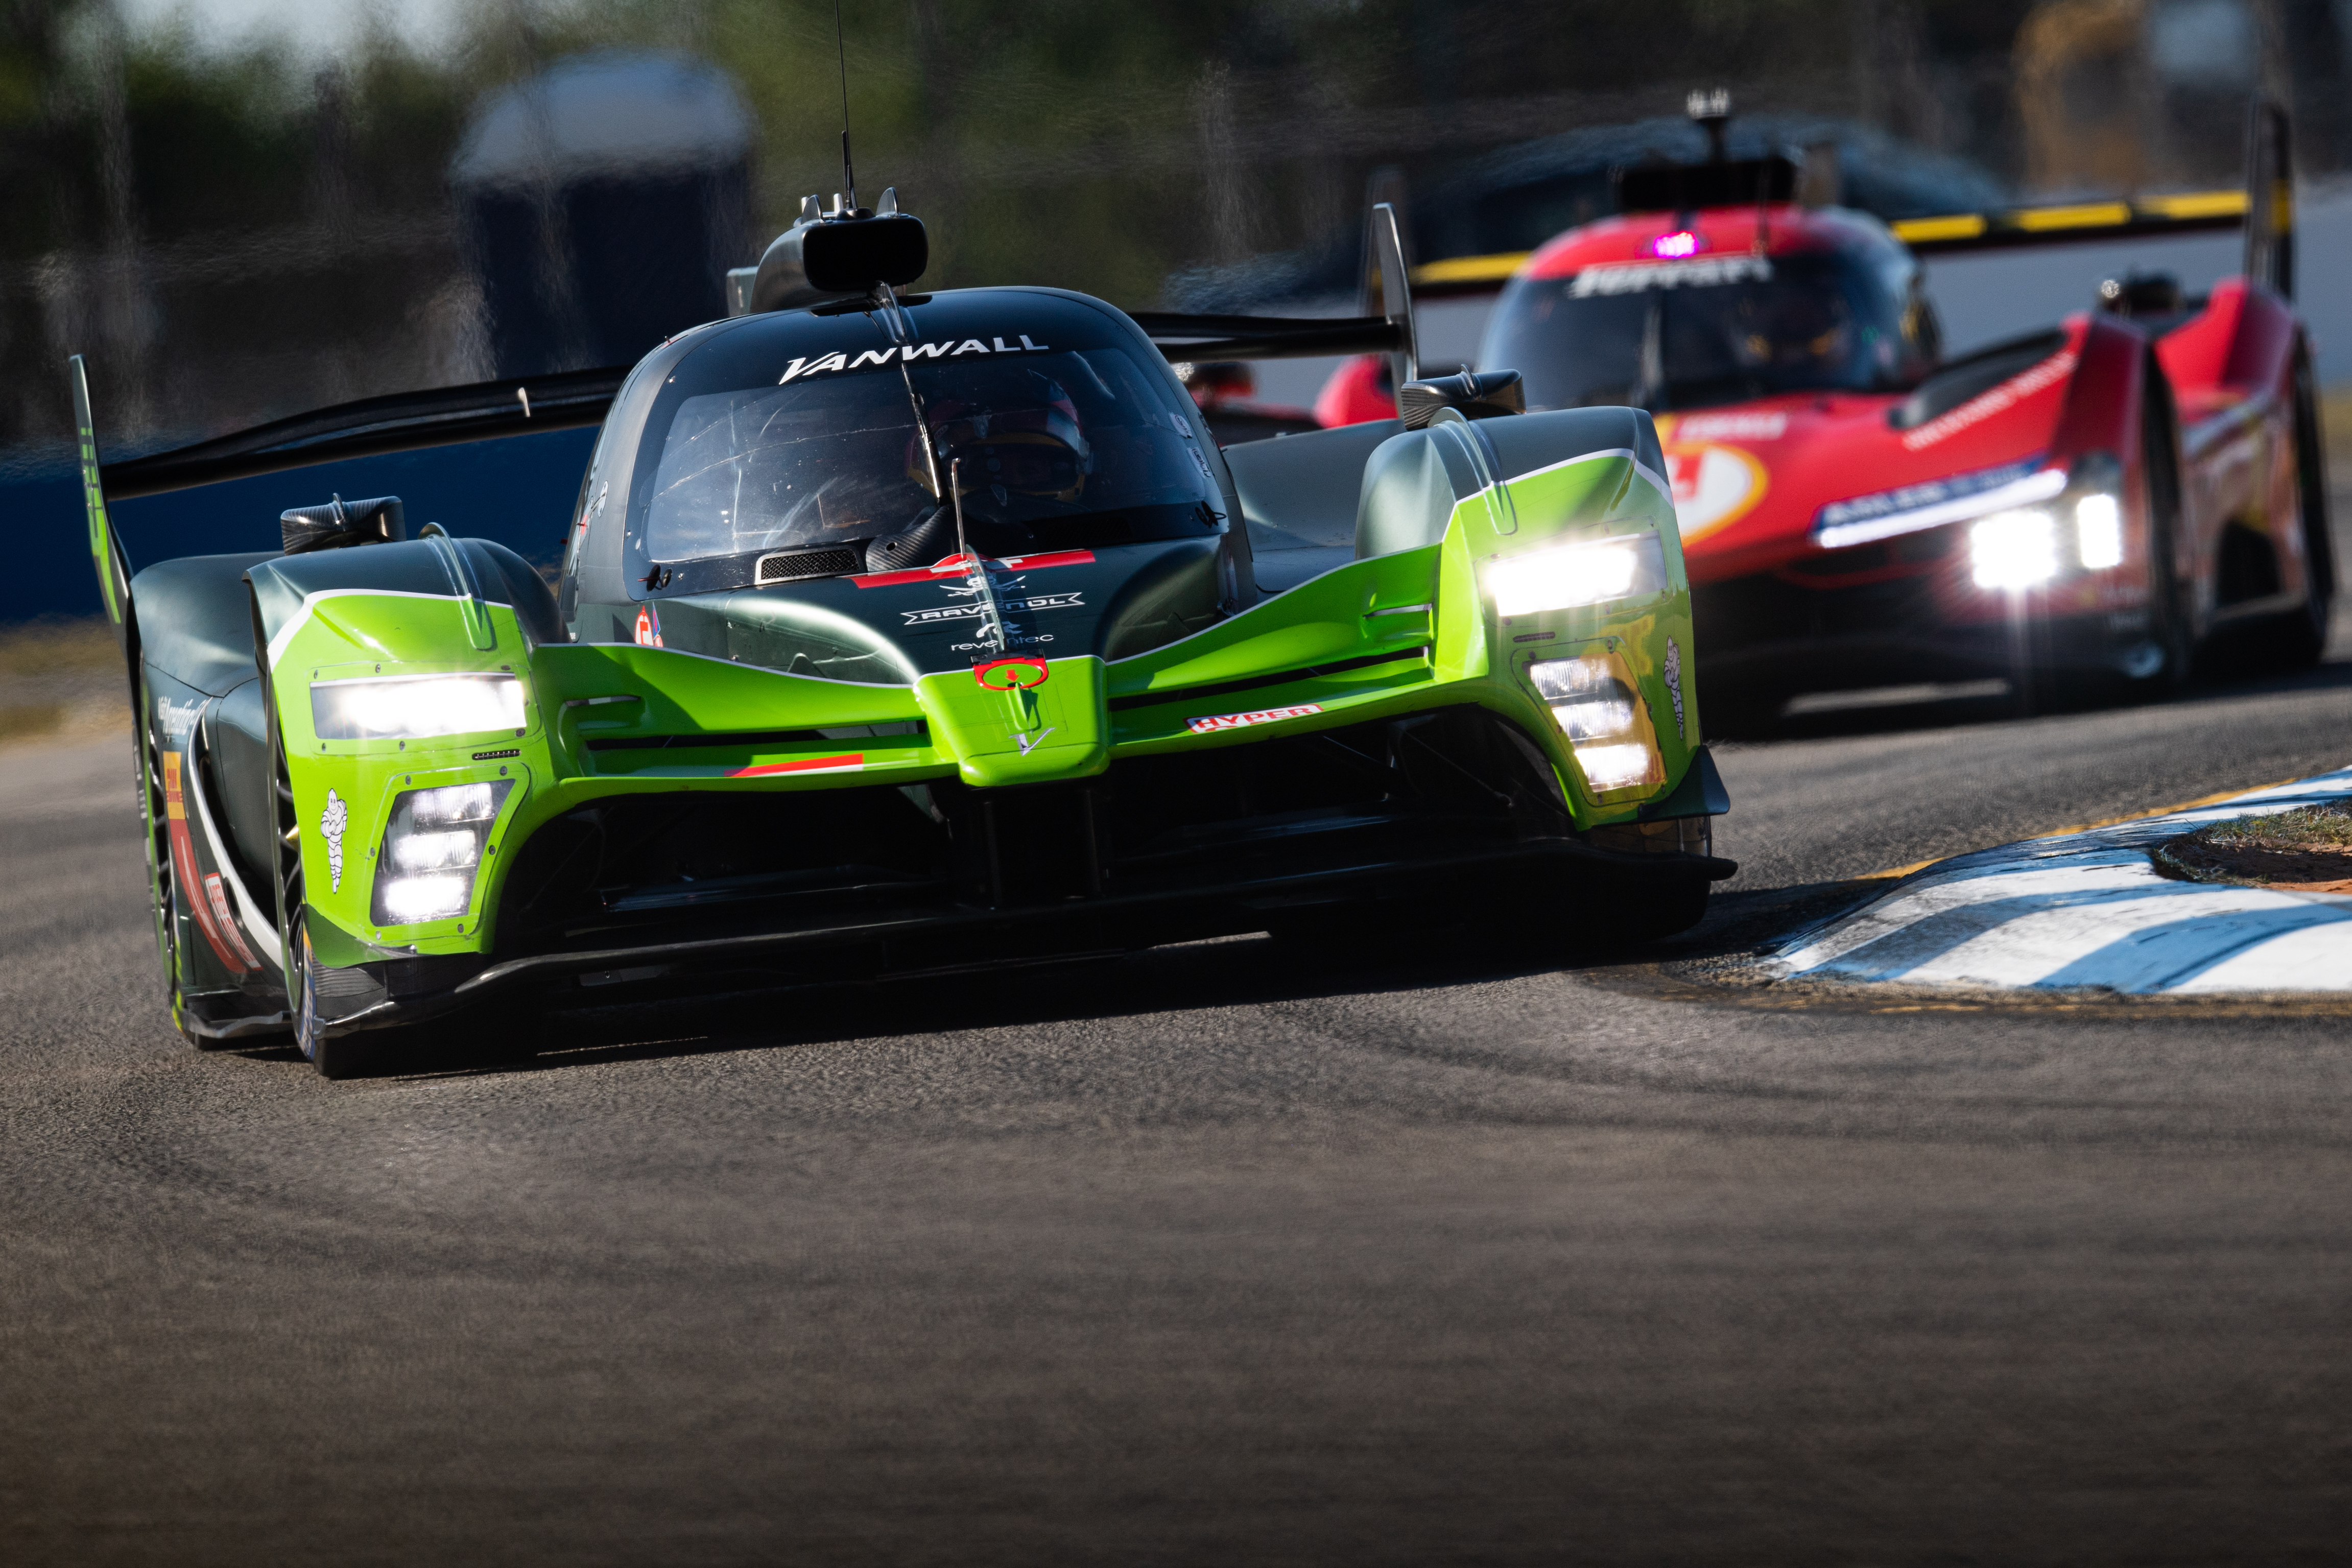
(902, 633)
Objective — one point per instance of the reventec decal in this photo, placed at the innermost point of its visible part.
(878, 358)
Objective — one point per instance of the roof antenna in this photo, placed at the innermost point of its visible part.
(841, 51)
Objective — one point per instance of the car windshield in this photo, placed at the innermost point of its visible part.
(1687, 334)
(1053, 450)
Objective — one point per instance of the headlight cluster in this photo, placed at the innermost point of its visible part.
(1594, 702)
(2028, 547)
(1566, 576)
(432, 847)
(415, 707)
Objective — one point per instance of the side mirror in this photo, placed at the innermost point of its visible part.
(340, 523)
(1473, 394)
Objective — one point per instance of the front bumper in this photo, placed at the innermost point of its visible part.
(1449, 817)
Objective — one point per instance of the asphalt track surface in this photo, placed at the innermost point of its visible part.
(1211, 1254)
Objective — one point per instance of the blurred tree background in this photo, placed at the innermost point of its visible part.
(236, 227)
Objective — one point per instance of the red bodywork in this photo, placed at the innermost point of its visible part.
(1778, 498)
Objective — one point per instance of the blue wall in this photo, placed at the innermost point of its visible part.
(517, 489)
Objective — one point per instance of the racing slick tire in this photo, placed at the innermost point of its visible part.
(163, 892)
(2299, 638)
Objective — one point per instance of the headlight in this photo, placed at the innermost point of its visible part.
(2099, 532)
(413, 707)
(2014, 549)
(432, 847)
(1567, 575)
(1594, 702)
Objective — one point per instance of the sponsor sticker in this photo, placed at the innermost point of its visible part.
(971, 608)
(494, 756)
(216, 896)
(648, 628)
(331, 822)
(1673, 670)
(1930, 493)
(1985, 405)
(1714, 485)
(178, 720)
(879, 359)
(205, 905)
(1731, 426)
(1702, 272)
(1210, 726)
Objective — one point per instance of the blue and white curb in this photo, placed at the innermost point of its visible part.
(2088, 910)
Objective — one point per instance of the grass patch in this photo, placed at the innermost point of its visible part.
(53, 644)
(2309, 849)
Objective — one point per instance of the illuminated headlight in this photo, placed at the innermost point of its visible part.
(1567, 575)
(432, 847)
(2014, 549)
(1616, 767)
(2099, 532)
(1586, 697)
(1595, 708)
(413, 707)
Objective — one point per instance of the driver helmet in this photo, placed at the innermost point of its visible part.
(1031, 443)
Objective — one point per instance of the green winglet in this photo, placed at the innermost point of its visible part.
(106, 553)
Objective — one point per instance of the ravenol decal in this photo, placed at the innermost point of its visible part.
(1713, 486)
(1210, 726)
(1706, 272)
(331, 822)
(2000, 400)
(968, 610)
(879, 359)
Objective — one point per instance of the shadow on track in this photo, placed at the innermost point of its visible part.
(1894, 710)
(1229, 972)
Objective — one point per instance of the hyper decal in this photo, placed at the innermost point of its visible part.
(1244, 720)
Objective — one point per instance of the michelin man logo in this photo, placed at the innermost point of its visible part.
(331, 827)
(1674, 674)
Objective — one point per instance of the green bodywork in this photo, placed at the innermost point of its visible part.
(1413, 629)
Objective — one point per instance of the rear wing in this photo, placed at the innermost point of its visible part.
(2264, 209)
(1202, 338)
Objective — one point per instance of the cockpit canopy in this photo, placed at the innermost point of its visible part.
(1053, 421)
(1693, 320)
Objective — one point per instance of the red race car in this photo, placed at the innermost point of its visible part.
(2087, 506)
